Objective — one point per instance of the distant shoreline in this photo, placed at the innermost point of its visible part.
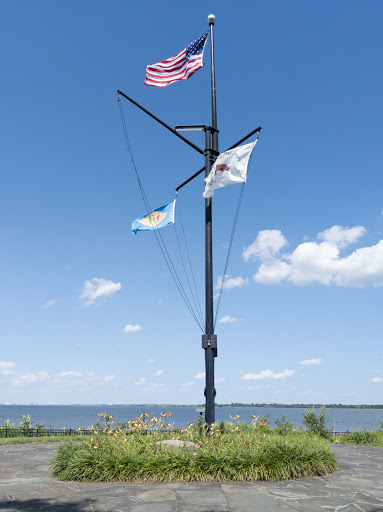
(232, 405)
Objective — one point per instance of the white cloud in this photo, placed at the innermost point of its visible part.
(159, 373)
(310, 362)
(268, 374)
(98, 288)
(319, 262)
(187, 384)
(227, 319)
(151, 361)
(140, 381)
(267, 244)
(131, 329)
(231, 282)
(200, 375)
(64, 378)
(6, 367)
(257, 388)
(220, 380)
(272, 272)
(262, 387)
(33, 377)
(49, 304)
(377, 379)
(69, 373)
(341, 237)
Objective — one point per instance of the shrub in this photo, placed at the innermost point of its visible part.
(317, 423)
(283, 426)
(7, 425)
(26, 425)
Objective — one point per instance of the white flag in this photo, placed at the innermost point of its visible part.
(229, 168)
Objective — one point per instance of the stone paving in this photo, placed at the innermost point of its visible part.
(26, 485)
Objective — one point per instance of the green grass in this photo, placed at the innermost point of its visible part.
(231, 453)
(361, 437)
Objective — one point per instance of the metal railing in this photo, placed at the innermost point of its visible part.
(41, 432)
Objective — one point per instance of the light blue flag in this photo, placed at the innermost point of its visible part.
(158, 218)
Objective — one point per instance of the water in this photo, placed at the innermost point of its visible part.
(74, 416)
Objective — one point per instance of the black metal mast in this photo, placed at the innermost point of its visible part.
(209, 341)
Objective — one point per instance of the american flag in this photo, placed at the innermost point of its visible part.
(180, 67)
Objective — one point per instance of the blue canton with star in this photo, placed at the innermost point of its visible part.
(196, 47)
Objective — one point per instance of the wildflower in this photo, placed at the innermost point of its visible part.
(102, 414)
(237, 416)
(95, 446)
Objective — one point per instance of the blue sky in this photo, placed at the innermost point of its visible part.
(89, 311)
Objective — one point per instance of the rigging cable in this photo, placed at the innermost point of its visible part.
(159, 238)
(229, 250)
(228, 253)
(195, 300)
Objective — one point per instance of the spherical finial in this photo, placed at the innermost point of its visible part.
(211, 19)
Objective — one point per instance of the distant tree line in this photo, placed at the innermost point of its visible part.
(268, 406)
(302, 406)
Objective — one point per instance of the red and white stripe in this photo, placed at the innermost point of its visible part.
(172, 69)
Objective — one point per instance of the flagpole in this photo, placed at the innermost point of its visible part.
(209, 340)
(211, 20)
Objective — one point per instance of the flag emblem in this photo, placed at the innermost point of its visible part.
(153, 219)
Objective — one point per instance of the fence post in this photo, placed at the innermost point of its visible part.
(6, 432)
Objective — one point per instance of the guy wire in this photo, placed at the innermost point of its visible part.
(159, 238)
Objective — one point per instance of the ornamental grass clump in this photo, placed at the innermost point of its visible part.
(233, 451)
(361, 436)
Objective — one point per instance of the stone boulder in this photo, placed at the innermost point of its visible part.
(175, 443)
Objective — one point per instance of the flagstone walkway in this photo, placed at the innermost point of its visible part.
(26, 485)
